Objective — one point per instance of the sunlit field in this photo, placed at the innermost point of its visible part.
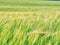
(29, 25)
(41, 27)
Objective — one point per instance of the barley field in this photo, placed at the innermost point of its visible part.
(29, 25)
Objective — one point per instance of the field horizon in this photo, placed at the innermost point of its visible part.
(29, 22)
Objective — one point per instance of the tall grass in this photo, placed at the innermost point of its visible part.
(15, 27)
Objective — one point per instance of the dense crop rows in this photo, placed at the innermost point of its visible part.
(25, 28)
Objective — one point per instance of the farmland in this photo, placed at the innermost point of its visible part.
(29, 24)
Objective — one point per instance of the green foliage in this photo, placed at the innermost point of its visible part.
(17, 22)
